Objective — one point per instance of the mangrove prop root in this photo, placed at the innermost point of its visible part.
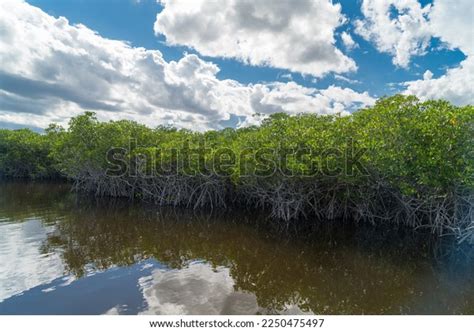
(289, 199)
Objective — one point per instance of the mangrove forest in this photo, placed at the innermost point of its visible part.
(402, 161)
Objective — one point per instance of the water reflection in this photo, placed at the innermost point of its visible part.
(201, 289)
(197, 289)
(34, 267)
(61, 254)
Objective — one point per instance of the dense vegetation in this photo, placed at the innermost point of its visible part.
(25, 154)
(401, 161)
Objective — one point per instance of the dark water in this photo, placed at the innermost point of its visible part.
(63, 254)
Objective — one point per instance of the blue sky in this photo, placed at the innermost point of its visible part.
(374, 57)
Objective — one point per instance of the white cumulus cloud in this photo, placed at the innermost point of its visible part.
(347, 40)
(452, 22)
(456, 85)
(404, 28)
(396, 27)
(293, 35)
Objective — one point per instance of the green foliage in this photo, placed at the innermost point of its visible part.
(25, 154)
(418, 145)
